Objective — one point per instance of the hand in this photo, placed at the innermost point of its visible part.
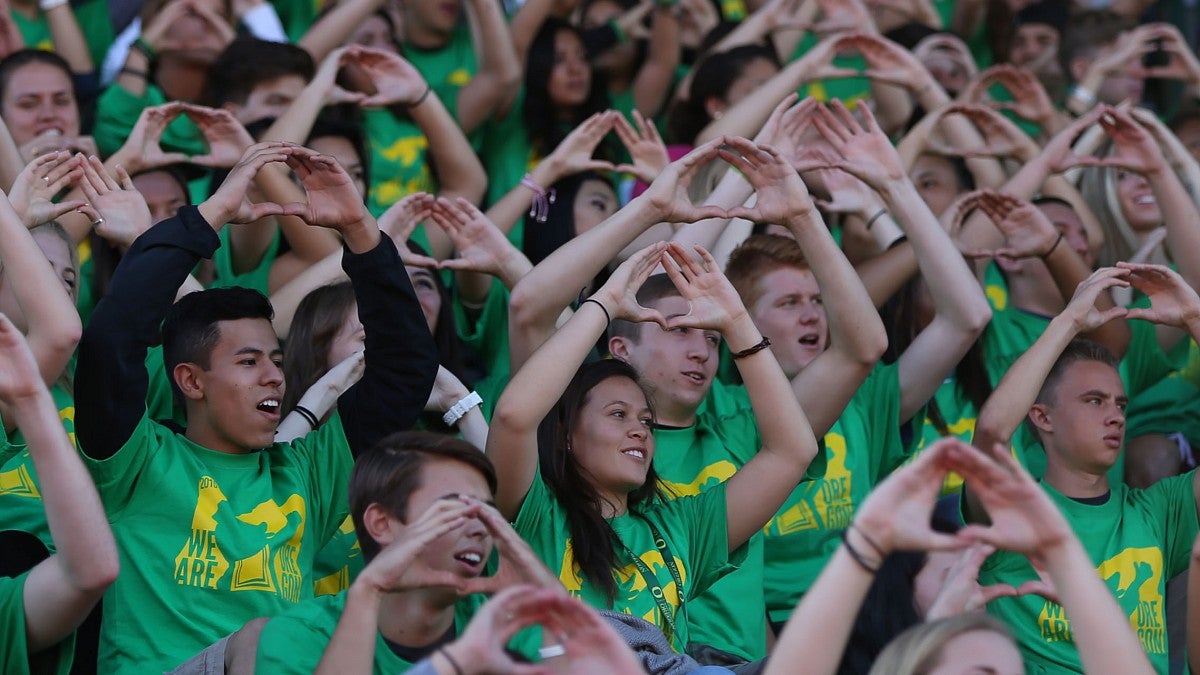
(888, 62)
(1001, 138)
(782, 196)
(1181, 60)
(19, 375)
(398, 567)
(118, 211)
(216, 25)
(1173, 302)
(396, 81)
(399, 221)
(342, 376)
(895, 516)
(33, 191)
(632, 21)
(1024, 519)
(53, 140)
(155, 30)
(712, 301)
(574, 153)
(519, 565)
(1028, 233)
(818, 61)
(482, 648)
(326, 78)
(447, 390)
(227, 139)
(789, 130)
(1126, 52)
(866, 152)
(1082, 307)
(229, 203)
(781, 15)
(1059, 154)
(645, 147)
(961, 592)
(1135, 147)
(142, 150)
(847, 194)
(948, 60)
(668, 194)
(843, 16)
(619, 293)
(333, 200)
(1030, 99)
(593, 647)
(11, 39)
(481, 246)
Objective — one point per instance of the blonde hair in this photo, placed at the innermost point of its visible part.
(918, 650)
(1098, 186)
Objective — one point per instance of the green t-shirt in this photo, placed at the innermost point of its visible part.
(257, 278)
(297, 16)
(696, 536)
(117, 111)
(485, 332)
(294, 641)
(1138, 539)
(14, 647)
(21, 507)
(398, 164)
(338, 562)
(209, 540)
(447, 69)
(848, 89)
(93, 18)
(731, 615)
(806, 531)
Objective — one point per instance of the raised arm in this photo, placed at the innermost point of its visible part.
(962, 309)
(652, 85)
(492, 89)
(401, 356)
(111, 379)
(52, 324)
(550, 287)
(894, 517)
(759, 488)
(59, 592)
(536, 387)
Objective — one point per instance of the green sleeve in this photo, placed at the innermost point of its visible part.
(1144, 363)
(1173, 500)
(257, 278)
(293, 642)
(485, 331)
(116, 476)
(705, 516)
(117, 111)
(325, 456)
(880, 395)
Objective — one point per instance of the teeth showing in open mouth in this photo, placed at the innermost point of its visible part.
(270, 405)
(470, 558)
(635, 453)
(808, 340)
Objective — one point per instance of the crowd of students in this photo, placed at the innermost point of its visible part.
(613, 336)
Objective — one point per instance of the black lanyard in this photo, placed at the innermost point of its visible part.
(656, 591)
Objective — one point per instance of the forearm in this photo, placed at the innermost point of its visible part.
(819, 628)
(310, 244)
(884, 275)
(493, 89)
(68, 38)
(525, 24)
(287, 298)
(459, 171)
(747, 116)
(732, 190)
(53, 328)
(782, 424)
(893, 103)
(1182, 220)
(1101, 630)
(334, 29)
(1015, 395)
(401, 357)
(653, 83)
(351, 650)
(129, 78)
(11, 162)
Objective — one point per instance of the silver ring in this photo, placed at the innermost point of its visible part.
(551, 651)
(97, 222)
(47, 179)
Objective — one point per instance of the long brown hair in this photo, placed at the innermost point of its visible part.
(319, 316)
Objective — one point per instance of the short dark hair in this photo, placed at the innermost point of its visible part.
(389, 474)
(1078, 350)
(191, 328)
(656, 288)
(248, 62)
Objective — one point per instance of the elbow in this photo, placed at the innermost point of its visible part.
(522, 304)
(869, 344)
(101, 571)
(977, 319)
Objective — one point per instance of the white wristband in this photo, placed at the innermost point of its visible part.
(47, 5)
(456, 411)
(1084, 96)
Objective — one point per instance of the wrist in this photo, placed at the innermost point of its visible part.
(741, 334)
(362, 236)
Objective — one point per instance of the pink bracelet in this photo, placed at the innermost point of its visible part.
(542, 199)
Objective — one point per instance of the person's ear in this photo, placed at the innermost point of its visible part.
(189, 377)
(380, 525)
(619, 347)
(715, 107)
(1039, 414)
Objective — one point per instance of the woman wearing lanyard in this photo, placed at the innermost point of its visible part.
(593, 510)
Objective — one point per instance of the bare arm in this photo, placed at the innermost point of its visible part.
(492, 90)
(335, 28)
(652, 86)
(68, 38)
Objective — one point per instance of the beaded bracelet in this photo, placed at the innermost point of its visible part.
(542, 199)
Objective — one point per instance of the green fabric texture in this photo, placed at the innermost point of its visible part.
(210, 540)
(117, 112)
(695, 531)
(731, 615)
(861, 448)
(1138, 540)
(14, 648)
(93, 19)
